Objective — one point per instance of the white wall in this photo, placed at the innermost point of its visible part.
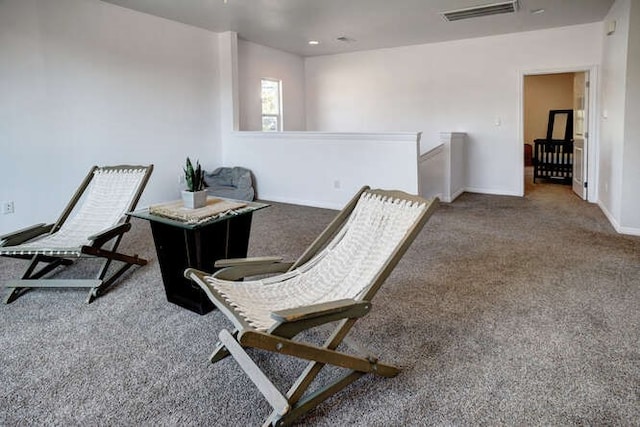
(256, 62)
(630, 214)
(462, 86)
(431, 173)
(441, 170)
(311, 168)
(84, 82)
(325, 169)
(614, 60)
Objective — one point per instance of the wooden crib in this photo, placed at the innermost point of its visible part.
(553, 155)
(553, 160)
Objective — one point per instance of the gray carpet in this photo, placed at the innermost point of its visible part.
(505, 311)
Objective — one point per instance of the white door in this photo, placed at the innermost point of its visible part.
(580, 132)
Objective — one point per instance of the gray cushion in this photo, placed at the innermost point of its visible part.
(233, 183)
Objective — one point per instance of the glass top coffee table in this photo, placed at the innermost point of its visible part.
(185, 239)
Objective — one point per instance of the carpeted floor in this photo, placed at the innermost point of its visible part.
(505, 311)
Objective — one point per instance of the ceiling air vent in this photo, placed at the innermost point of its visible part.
(478, 11)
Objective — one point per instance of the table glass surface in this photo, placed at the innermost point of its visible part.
(250, 207)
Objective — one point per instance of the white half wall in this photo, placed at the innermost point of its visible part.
(432, 170)
(469, 86)
(84, 82)
(256, 62)
(441, 170)
(325, 169)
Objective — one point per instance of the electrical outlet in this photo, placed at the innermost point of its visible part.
(7, 208)
(336, 184)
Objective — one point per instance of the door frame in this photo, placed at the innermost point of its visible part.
(593, 140)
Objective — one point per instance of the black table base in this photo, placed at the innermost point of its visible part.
(179, 248)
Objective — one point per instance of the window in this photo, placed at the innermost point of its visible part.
(271, 94)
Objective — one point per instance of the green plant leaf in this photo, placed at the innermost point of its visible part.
(194, 178)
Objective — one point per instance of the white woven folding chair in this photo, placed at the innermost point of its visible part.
(94, 230)
(333, 281)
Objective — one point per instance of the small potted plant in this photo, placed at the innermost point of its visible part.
(195, 196)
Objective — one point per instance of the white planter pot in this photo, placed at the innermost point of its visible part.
(194, 199)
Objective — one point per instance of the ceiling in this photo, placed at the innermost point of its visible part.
(367, 24)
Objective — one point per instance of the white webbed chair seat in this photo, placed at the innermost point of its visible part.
(91, 225)
(110, 195)
(333, 281)
(344, 269)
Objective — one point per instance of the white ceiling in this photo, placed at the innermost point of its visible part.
(289, 24)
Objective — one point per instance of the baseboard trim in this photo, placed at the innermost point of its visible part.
(441, 197)
(302, 202)
(456, 195)
(609, 216)
(632, 231)
(491, 191)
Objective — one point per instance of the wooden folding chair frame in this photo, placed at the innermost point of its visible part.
(279, 338)
(104, 245)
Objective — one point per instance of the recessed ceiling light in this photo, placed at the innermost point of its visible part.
(536, 11)
(314, 42)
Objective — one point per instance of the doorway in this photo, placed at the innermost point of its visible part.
(543, 92)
